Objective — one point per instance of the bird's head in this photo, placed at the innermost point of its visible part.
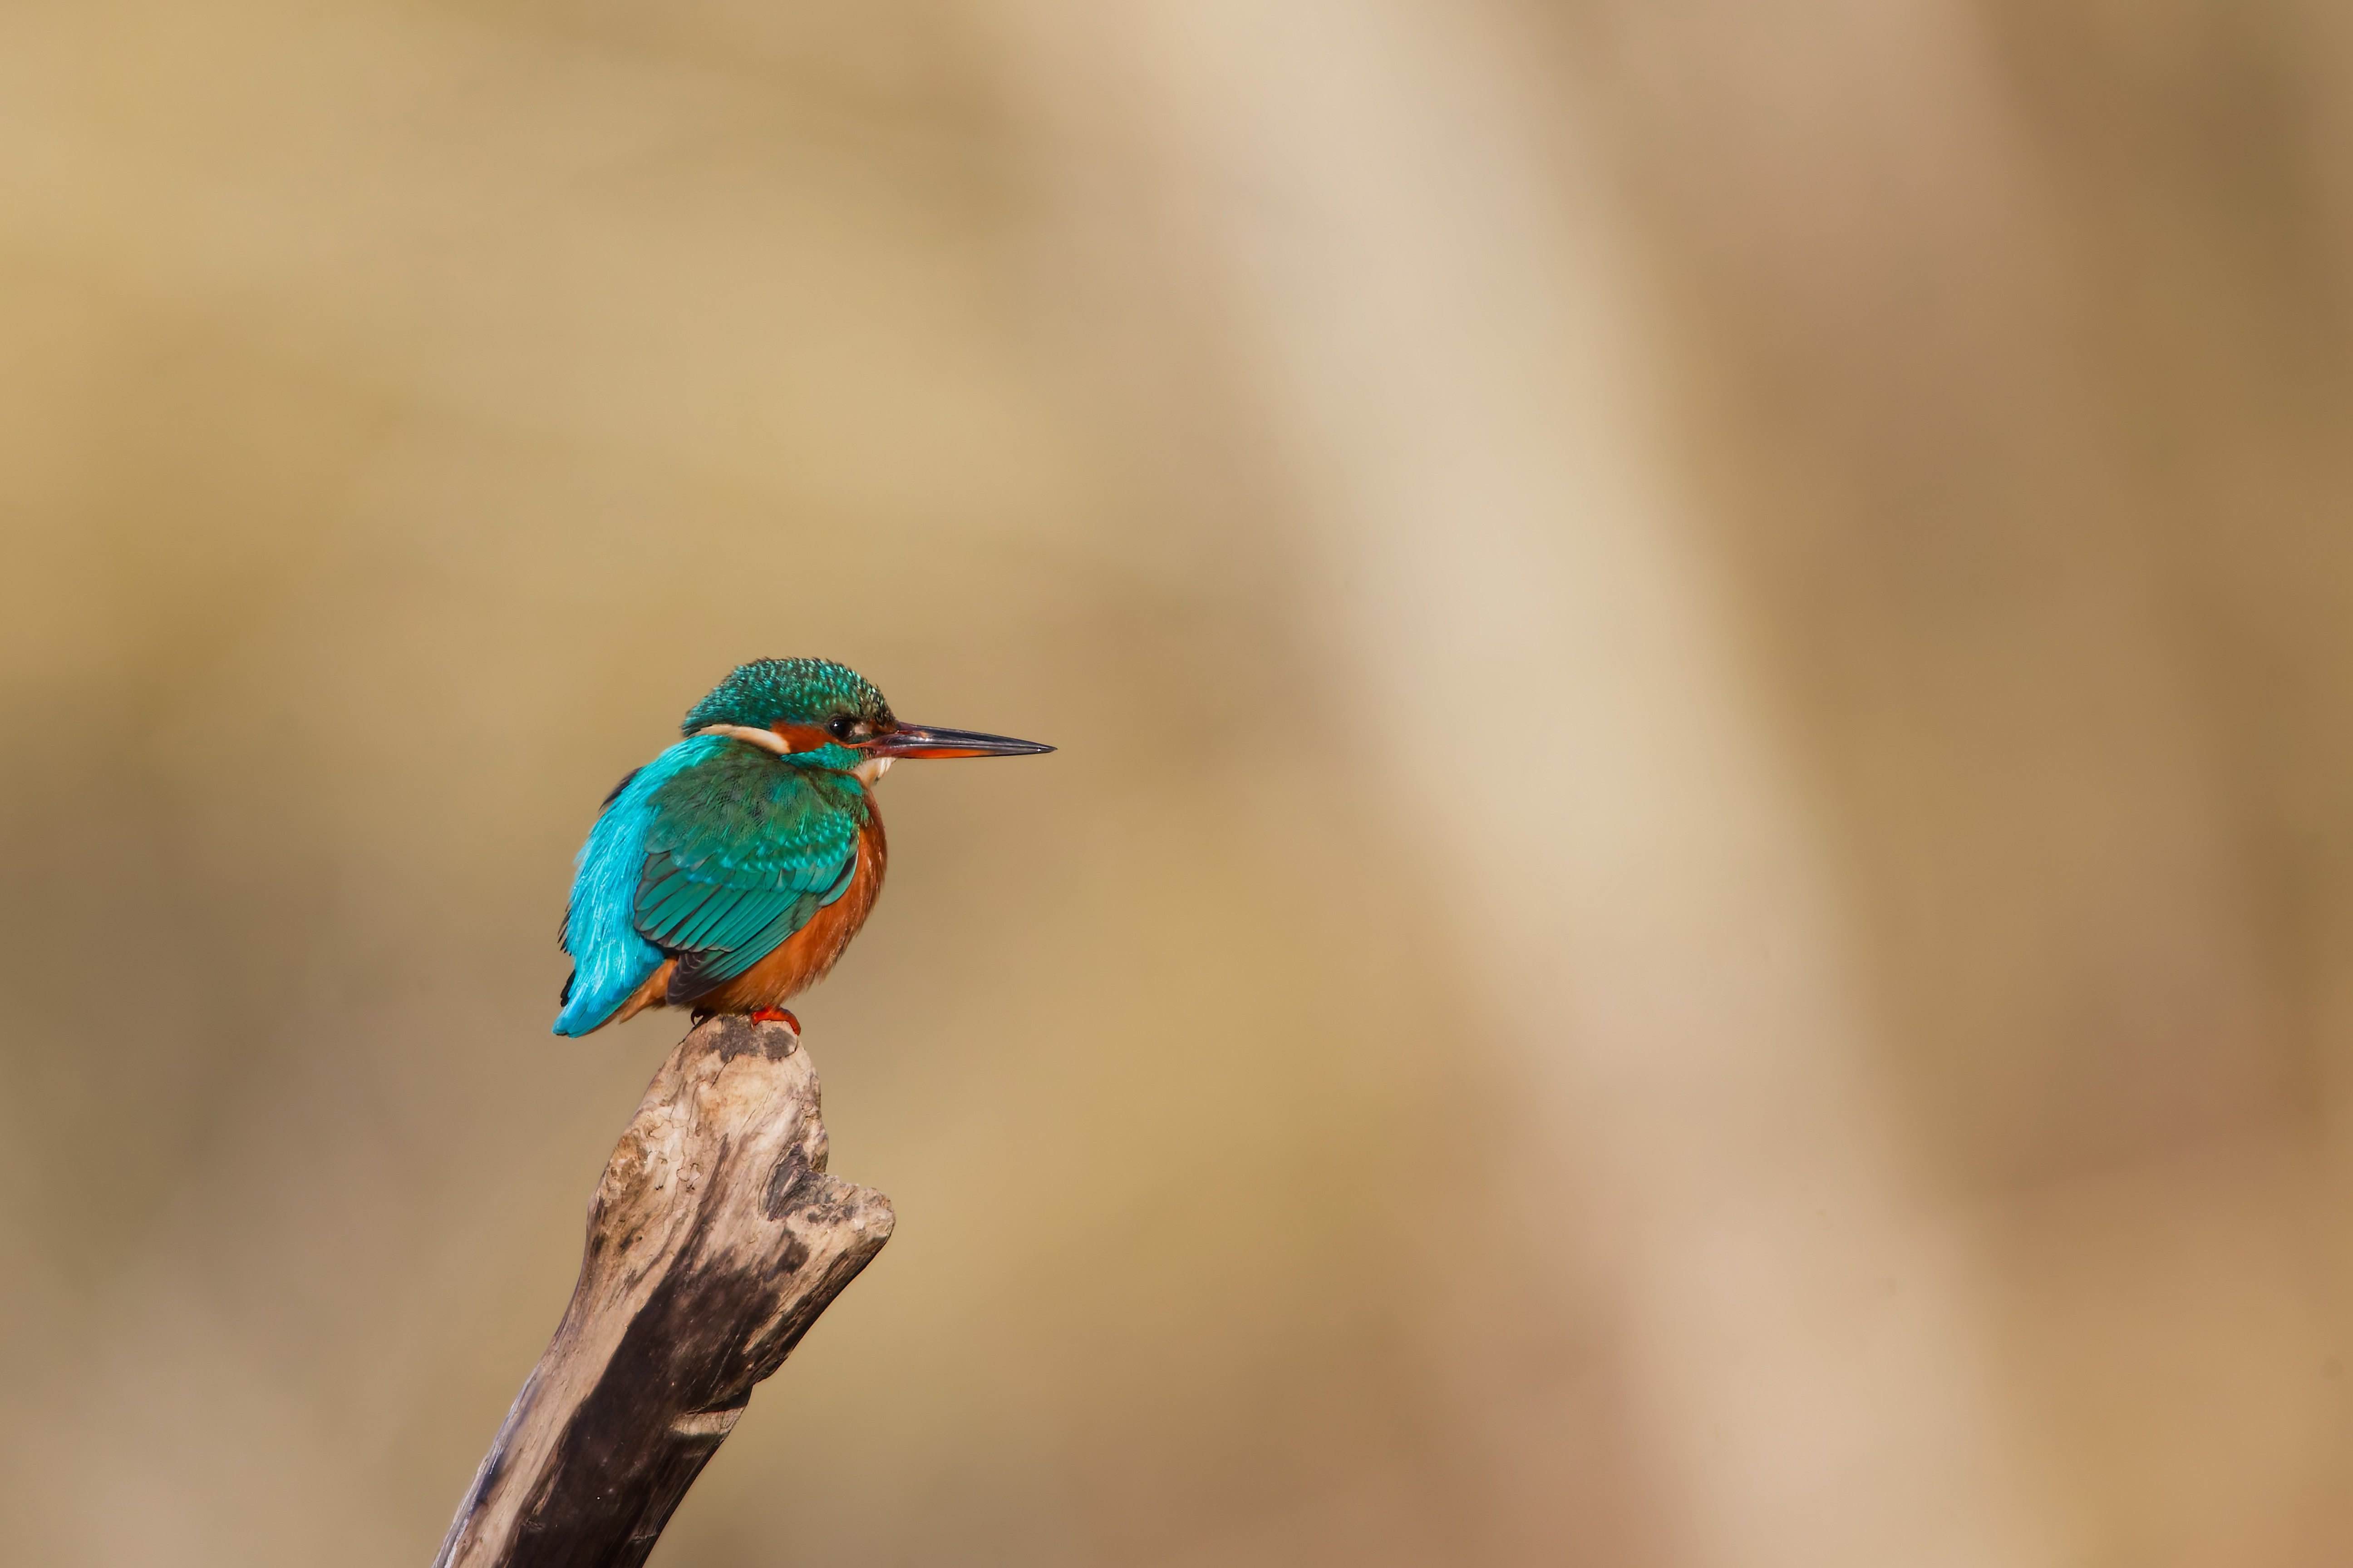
(818, 713)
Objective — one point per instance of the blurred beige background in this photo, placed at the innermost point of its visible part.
(1696, 909)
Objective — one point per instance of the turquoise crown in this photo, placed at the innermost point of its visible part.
(770, 691)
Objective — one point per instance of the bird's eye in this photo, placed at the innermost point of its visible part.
(849, 729)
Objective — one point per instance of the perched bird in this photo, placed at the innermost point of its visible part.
(729, 873)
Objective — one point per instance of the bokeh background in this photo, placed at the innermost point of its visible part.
(1698, 903)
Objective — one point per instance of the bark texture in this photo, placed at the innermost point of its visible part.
(714, 1241)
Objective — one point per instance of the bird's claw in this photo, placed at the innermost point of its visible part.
(776, 1016)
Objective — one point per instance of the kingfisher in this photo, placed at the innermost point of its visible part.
(729, 873)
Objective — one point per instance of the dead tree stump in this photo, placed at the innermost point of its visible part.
(714, 1241)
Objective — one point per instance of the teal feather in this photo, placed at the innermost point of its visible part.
(610, 957)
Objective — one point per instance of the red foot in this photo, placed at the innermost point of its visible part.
(776, 1016)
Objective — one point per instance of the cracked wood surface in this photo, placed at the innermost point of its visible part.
(714, 1241)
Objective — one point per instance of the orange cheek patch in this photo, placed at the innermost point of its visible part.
(802, 737)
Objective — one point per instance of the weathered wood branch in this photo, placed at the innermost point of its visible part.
(714, 1241)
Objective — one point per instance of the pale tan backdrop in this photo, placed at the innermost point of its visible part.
(1698, 905)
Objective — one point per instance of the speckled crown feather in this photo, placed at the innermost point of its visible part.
(788, 690)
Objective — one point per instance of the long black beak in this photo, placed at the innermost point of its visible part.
(916, 740)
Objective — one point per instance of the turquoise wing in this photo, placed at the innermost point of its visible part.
(741, 851)
(714, 854)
